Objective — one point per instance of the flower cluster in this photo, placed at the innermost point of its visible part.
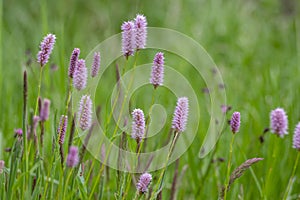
(134, 35)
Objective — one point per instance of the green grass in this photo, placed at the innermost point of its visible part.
(255, 44)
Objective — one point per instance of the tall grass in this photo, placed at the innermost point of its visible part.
(254, 43)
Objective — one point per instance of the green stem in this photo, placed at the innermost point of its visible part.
(39, 91)
(70, 89)
(136, 196)
(141, 144)
(67, 182)
(159, 182)
(271, 167)
(292, 176)
(115, 130)
(228, 166)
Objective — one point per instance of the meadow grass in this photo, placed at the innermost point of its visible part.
(255, 44)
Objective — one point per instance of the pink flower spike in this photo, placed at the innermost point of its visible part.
(180, 114)
(279, 122)
(128, 40)
(80, 75)
(96, 64)
(144, 182)
(44, 115)
(62, 128)
(46, 48)
(138, 124)
(235, 122)
(140, 26)
(296, 138)
(73, 62)
(73, 158)
(85, 112)
(157, 74)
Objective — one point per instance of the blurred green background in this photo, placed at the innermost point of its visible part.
(255, 44)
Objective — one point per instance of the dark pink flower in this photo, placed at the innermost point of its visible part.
(19, 132)
(73, 62)
(235, 122)
(62, 128)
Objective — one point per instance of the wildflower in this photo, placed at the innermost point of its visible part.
(36, 120)
(138, 124)
(73, 158)
(80, 75)
(44, 114)
(19, 132)
(225, 109)
(296, 138)
(62, 128)
(144, 182)
(235, 122)
(180, 114)
(85, 112)
(46, 48)
(73, 62)
(96, 64)
(157, 74)
(140, 26)
(279, 122)
(128, 41)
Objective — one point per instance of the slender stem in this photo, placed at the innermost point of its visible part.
(39, 90)
(272, 166)
(228, 167)
(292, 176)
(140, 145)
(67, 182)
(158, 184)
(115, 130)
(136, 196)
(70, 89)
